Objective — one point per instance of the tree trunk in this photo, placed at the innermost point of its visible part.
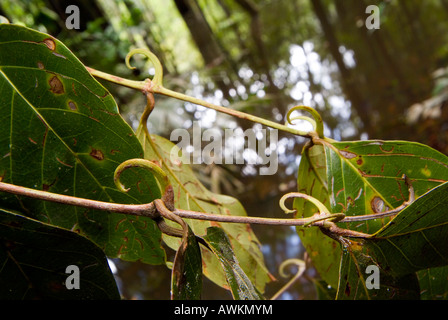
(204, 38)
(349, 87)
(201, 32)
(262, 62)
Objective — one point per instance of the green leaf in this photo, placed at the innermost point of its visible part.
(61, 132)
(34, 257)
(354, 274)
(324, 251)
(417, 238)
(323, 290)
(187, 270)
(366, 177)
(358, 178)
(190, 194)
(241, 286)
(433, 284)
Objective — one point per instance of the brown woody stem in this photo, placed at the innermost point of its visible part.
(148, 210)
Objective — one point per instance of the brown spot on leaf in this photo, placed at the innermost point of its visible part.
(109, 112)
(40, 65)
(59, 55)
(120, 250)
(359, 161)
(119, 223)
(347, 290)
(377, 204)
(387, 151)
(64, 163)
(350, 202)
(97, 154)
(347, 154)
(73, 89)
(46, 187)
(56, 85)
(337, 193)
(72, 105)
(50, 44)
(144, 226)
(140, 242)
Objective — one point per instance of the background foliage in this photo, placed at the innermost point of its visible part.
(262, 57)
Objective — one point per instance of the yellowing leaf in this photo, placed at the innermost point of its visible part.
(190, 194)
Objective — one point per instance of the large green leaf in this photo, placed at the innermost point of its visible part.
(358, 178)
(190, 194)
(34, 257)
(354, 276)
(416, 239)
(433, 284)
(60, 131)
(324, 251)
(366, 177)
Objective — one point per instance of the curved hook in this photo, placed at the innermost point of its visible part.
(298, 262)
(301, 269)
(158, 76)
(159, 174)
(320, 206)
(316, 122)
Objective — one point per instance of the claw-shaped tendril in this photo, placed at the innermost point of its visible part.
(320, 206)
(323, 212)
(158, 173)
(316, 121)
(155, 82)
(301, 269)
(158, 75)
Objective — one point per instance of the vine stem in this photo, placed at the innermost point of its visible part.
(321, 219)
(131, 209)
(232, 112)
(148, 210)
(147, 86)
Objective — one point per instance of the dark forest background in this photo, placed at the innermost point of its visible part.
(263, 57)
